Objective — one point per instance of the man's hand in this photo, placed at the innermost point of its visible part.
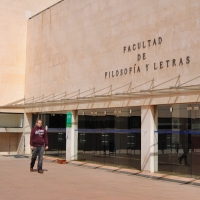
(32, 147)
(46, 147)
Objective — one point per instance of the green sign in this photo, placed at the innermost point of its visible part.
(69, 119)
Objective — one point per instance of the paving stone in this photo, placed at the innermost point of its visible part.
(76, 182)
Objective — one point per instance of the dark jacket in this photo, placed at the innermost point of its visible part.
(38, 137)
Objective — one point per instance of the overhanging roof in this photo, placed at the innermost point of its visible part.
(92, 96)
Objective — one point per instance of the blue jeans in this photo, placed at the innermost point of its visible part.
(37, 151)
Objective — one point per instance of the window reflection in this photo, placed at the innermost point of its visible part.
(112, 137)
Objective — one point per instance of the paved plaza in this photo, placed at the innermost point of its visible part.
(74, 182)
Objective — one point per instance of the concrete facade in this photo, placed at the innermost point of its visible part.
(84, 47)
(77, 45)
(90, 54)
(72, 138)
(13, 26)
(149, 139)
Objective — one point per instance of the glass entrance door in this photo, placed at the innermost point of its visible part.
(110, 137)
(181, 127)
(179, 139)
(195, 140)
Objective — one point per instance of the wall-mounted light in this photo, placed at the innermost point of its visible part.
(105, 112)
(171, 109)
(83, 113)
(189, 108)
(93, 113)
(196, 108)
(117, 112)
(130, 111)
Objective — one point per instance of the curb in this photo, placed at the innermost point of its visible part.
(155, 176)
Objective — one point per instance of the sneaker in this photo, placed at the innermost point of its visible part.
(40, 171)
(180, 160)
(31, 169)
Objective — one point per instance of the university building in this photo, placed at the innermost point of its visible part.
(116, 82)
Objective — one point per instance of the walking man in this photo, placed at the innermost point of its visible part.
(185, 141)
(38, 142)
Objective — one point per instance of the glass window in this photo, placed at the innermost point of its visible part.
(110, 136)
(11, 120)
(179, 139)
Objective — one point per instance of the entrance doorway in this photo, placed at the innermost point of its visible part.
(110, 136)
(56, 124)
(179, 139)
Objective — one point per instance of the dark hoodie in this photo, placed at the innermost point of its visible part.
(38, 137)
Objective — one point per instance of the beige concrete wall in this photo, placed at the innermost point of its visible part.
(9, 141)
(13, 33)
(71, 45)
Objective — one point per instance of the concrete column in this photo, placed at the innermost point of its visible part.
(149, 139)
(27, 131)
(72, 138)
